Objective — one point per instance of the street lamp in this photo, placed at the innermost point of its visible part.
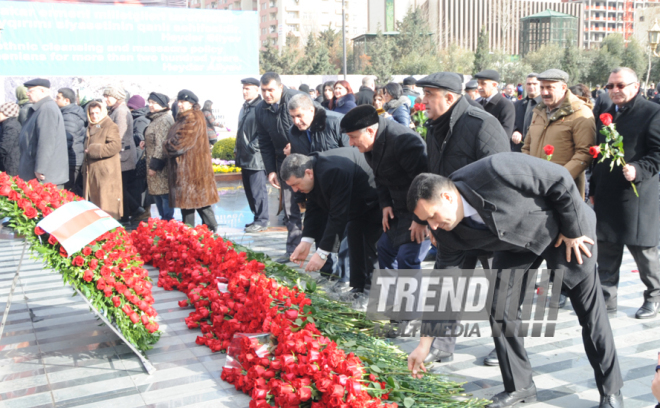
(654, 38)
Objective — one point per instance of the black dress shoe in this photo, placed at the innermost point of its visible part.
(509, 399)
(648, 310)
(491, 359)
(438, 356)
(611, 401)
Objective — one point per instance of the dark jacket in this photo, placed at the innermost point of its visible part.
(602, 104)
(473, 102)
(140, 123)
(473, 134)
(399, 109)
(504, 186)
(503, 110)
(410, 94)
(325, 134)
(523, 115)
(75, 125)
(344, 190)
(43, 144)
(10, 152)
(365, 96)
(344, 104)
(273, 129)
(622, 217)
(397, 157)
(23, 112)
(248, 155)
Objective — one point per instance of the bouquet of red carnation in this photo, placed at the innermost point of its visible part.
(419, 118)
(612, 148)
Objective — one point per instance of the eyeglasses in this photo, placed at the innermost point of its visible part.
(618, 86)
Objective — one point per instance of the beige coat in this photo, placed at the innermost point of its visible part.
(102, 175)
(571, 130)
(154, 136)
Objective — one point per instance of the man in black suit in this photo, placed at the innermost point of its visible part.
(524, 109)
(365, 96)
(341, 196)
(493, 101)
(479, 207)
(314, 129)
(623, 217)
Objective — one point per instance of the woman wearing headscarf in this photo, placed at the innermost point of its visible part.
(397, 105)
(102, 174)
(154, 136)
(190, 171)
(344, 99)
(211, 122)
(23, 102)
(10, 151)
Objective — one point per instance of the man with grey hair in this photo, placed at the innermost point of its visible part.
(366, 94)
(44, 154)
(341, 196)
(625, 216)
(314, 128)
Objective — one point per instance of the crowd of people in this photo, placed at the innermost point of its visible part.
(121, 153)
(506, 177)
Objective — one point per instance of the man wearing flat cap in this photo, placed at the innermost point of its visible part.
(409, 89)
(565, 122)
(396, 155)
(44, 153)
(472, 89)
(248, 157)
(493, 101)
(458, 134)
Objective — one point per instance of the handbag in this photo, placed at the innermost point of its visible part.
(141, 167)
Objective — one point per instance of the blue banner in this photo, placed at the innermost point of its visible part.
(79, 39)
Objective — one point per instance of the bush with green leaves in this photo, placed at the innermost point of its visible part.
(223, 149)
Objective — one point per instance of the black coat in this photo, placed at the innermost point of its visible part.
(344, 104)
(248, 154)
(473, 134)
(473, 102)
(365, 96)
(10, 152)
(397, 157)
(325, 134)
(140, 123)
(75, 125)
(622, 217)
(273, 129)
(520, 107)
(344, 190)
(603, 104)
(506, 185)
(503, 110)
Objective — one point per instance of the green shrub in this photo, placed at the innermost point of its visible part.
(223, 149)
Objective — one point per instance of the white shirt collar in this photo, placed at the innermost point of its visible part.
(469, 211)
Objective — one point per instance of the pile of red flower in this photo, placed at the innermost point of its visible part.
(108, 271)
(305, 367)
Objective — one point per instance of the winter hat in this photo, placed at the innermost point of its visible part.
(9, 109)
(136, 102)
(37, 82)
(186, 95)
(21, 95)
(161, 99)
(114, 91)
(359, 118)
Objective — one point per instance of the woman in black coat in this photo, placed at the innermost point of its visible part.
(10, 151)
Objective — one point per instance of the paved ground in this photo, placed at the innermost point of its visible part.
(53, 353)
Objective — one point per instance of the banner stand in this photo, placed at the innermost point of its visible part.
(13, 287)
(145, 363)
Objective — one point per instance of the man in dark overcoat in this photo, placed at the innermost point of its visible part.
(479, 207)
(624, 218)
(458, 134)
(314, 129)
(524, 109)
(493, 101)
(341, 196)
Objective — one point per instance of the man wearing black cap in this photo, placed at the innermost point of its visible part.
(274, 132)
(409, 89)
(396, 155)
(524, 109)
(248, 157)
(44, 153)
(472, 90)
(493, 101)
(341, 196)
(458, 134)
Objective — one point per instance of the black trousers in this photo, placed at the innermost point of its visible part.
(132, 190)
(255, 184)
(206, 213)
(292, 216)
(75, 180)
(588, 303)
(609, 263)
(363, 234)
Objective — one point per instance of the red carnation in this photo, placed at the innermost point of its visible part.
(606, 118)
(30, 212)
(52, 240)
(5, 190)
(134, 318)
(87, 251)
(78, 261)
(549, 149)
(291, 314)
(88, 276)
(99, 254)
(594, 151)
(116, 301)
(145, 319)
(39, 231)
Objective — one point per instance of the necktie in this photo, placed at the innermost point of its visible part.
(484, 102)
